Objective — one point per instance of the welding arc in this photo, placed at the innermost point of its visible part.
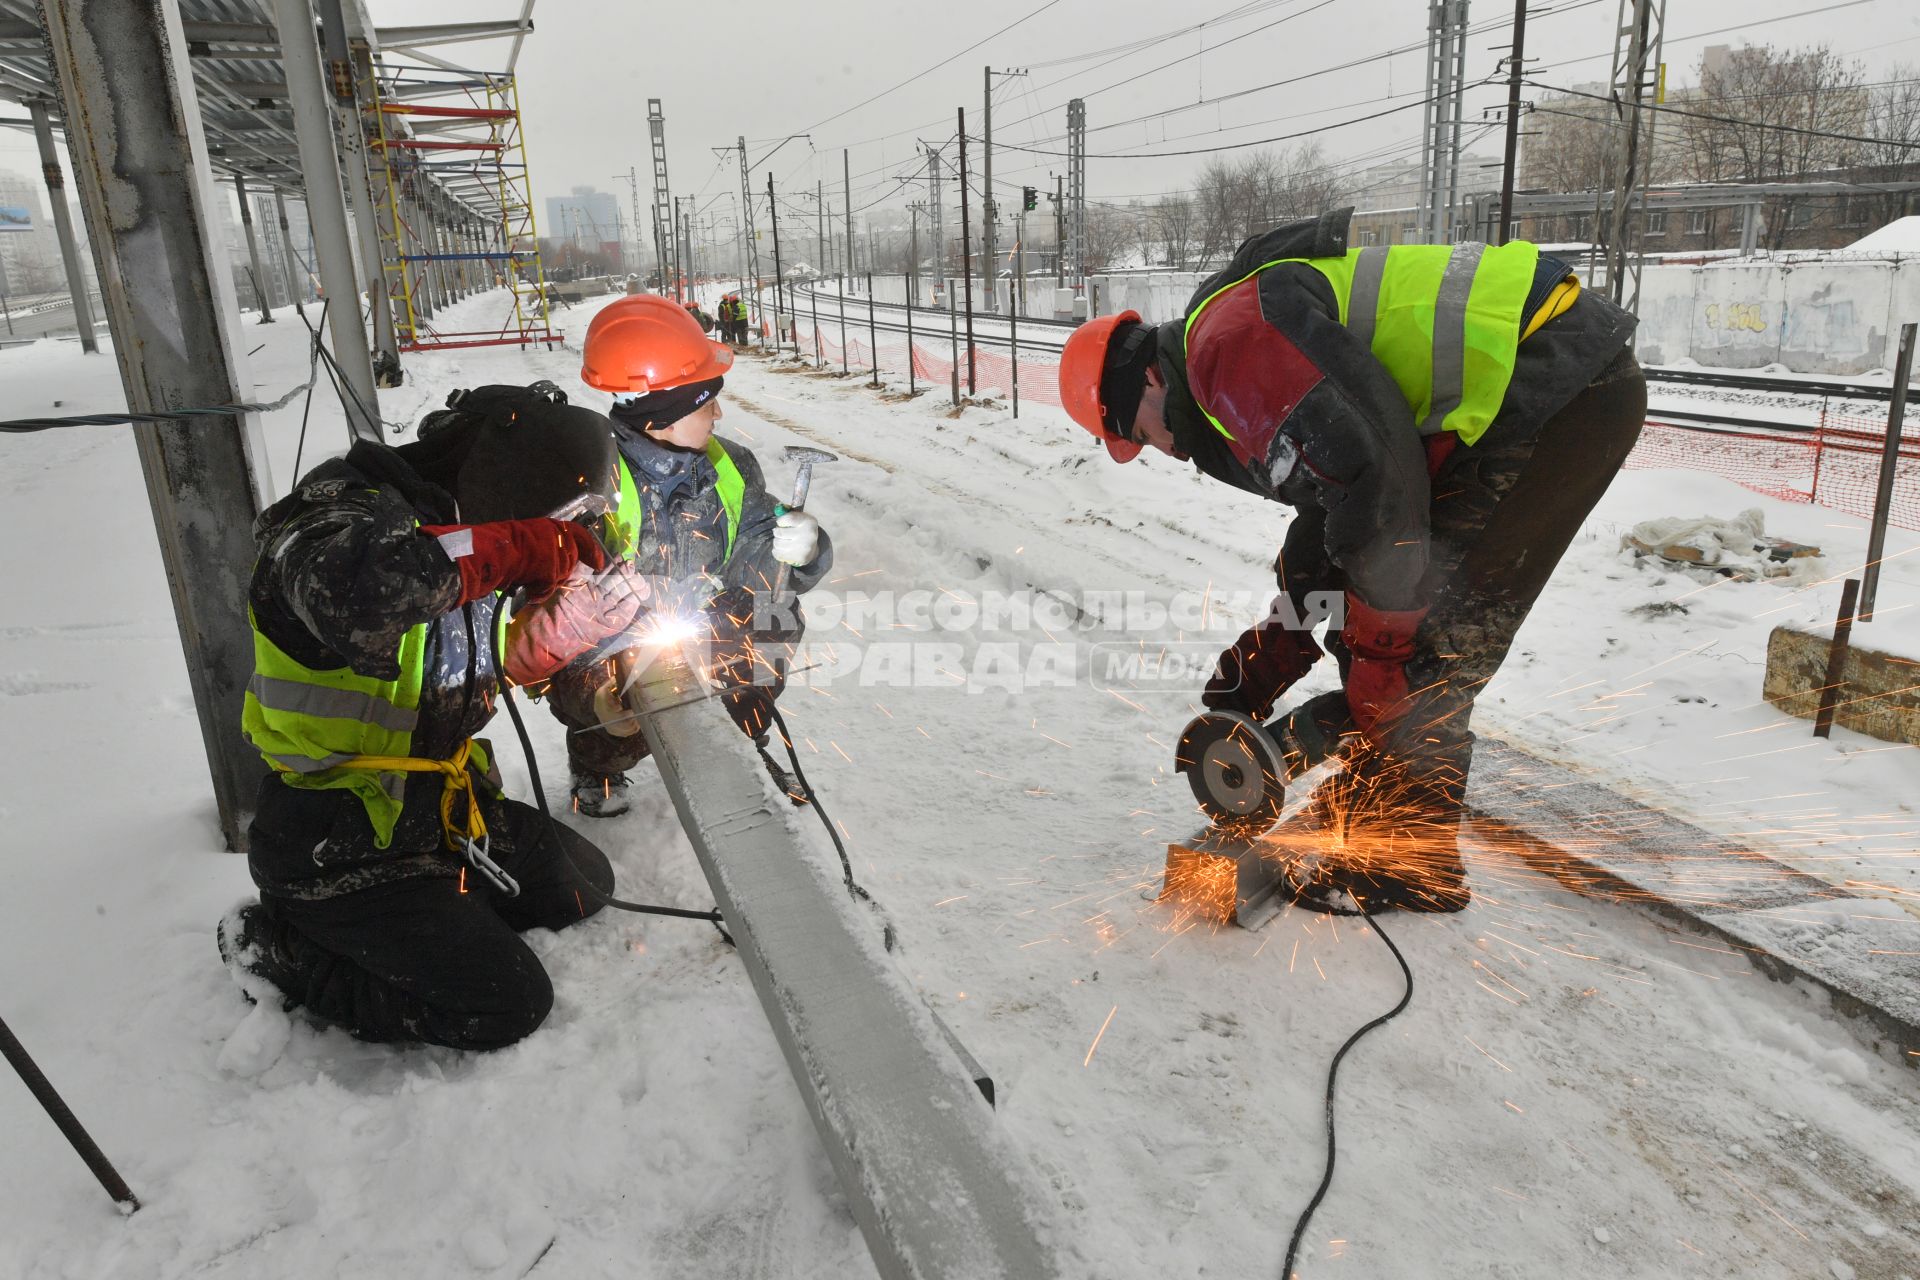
(553, 826)
(1333, 1069)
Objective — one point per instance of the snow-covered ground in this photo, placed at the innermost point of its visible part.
(1576, 1089)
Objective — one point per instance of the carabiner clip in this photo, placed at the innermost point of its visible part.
(477, 855)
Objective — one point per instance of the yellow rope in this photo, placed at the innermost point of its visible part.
(456, 780)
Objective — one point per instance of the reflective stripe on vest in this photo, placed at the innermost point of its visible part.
(627, 516)
(1444, 322)
(308, 722)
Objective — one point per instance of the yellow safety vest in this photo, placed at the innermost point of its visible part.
(1444, 320)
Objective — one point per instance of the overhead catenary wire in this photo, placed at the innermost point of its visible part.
(1734, 120)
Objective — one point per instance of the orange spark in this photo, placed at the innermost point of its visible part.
(1096, 1038)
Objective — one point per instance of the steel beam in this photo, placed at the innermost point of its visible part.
(63, 226)
(327, 210)
(262, 286)
(933, 1185)
(139, 156)
(296, 283)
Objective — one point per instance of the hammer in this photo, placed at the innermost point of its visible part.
(806, 456)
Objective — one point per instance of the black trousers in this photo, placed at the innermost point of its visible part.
(438, 958)
(1504, 513)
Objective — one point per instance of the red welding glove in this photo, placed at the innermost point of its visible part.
(536, 554)
(1380, 641)
(582, 614)
(1260, 666)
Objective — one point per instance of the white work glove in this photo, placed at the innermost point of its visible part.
(796, 538)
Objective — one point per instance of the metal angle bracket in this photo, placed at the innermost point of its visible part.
(1223, 876)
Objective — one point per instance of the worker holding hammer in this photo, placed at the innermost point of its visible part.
(693, 509)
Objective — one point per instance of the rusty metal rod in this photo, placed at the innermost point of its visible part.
(56, 1108)
(1836, 658)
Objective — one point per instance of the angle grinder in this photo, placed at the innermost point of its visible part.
(1239, 768)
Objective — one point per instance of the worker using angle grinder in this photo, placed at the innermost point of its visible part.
(394, 875)
(1442, 418)
(695, 515)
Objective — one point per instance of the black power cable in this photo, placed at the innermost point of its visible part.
(553, 826)
(1333, 1070)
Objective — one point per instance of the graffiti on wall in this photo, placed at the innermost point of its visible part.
(1736, 317)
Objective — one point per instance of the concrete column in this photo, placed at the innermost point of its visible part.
(63, 226)
(262, 285)
(365, 172)
(140, 160)
(327, 209)
(296, 280)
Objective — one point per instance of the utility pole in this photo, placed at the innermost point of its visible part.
(966, 248)
(846, 185)
(779, 276)
(663, 208)
(1060, 228)
(1446, 84)
(986, 203)
(752, 263)
(1077, 192)
(935, 223)
(1636, 72)
(633, 200)
(63, 225)
(1516, 66)
(820, 205)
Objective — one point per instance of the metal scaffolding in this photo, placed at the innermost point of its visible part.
(451, 140)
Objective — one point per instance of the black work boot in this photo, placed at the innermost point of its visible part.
(600, 795)
(255, 945)
(1392, 830)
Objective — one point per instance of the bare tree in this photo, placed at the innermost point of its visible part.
(1112, 234)
(1893, 122)
(1172, 230)
(1759, 113)
(1234, 199)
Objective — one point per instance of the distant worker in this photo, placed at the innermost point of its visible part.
(1442, 418)
(693, 510)
(701, 318)
(394, 875)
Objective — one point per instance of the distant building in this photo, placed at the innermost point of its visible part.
(587, 219)
(29, 259)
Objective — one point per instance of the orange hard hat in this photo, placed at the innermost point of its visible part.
(645, 343)
(1082, 364)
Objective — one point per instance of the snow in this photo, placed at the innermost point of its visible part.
(1902, 235)
(1568, 1085)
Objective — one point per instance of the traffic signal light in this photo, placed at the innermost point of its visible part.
(1029, 199)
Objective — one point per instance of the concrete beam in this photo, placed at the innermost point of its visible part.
(935, 1187)
(139, 157)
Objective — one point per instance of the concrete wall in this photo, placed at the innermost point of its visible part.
(1836, 316)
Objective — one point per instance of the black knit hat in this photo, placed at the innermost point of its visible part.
(1123, 377)
(534, 461)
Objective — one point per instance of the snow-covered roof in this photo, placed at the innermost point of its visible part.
(1902, 235)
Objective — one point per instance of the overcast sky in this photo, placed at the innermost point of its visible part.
(766, 70)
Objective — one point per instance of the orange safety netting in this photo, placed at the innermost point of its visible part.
(1837, 465)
